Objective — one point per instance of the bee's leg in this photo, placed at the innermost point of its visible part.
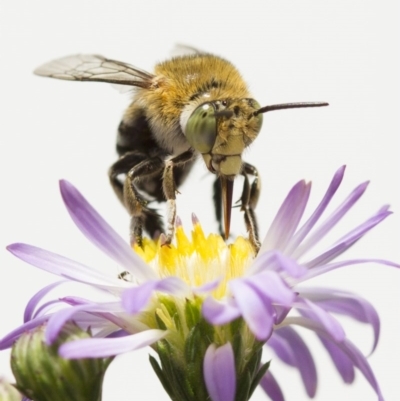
(122, 166)
(249, 199)
(133, 202)
(143, 168)
(169, 188)
(217, 198)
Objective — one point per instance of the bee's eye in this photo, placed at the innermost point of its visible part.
(201, 128)
(258, 117)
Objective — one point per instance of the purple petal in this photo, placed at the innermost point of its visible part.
(33, 302)
(316, 271)
(276, 261)
(281, 313)
(327, 256)
(258, 314)
(307, 227)
(57, 320)
(219, 313)
(118, 334)
(220, 373)
(287, 218)
(361, 362)
(10, 338)
(363, 228)
(294, 351)
(346, 346)
(282, 349)
(105, 347)
(290, 266)
(318, 314)
(135, 299)
(101, 234)
(343, 363)
(358, 360)
(208, 287)
(346, 303)
(347, 241)
(271, 387)
(60, 265)
(46, 307)
(271, 286)
(331, 221)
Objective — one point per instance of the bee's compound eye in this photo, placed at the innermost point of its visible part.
(258, 117)
(201, 128)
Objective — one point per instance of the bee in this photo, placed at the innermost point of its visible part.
(191, 105)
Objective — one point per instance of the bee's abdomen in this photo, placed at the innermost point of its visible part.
(134, 134)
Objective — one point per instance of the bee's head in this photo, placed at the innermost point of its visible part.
(221, 130)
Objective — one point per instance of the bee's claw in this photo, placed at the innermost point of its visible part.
(165, 240)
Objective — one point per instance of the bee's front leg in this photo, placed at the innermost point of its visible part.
(249, 199)
(169, 188)
(217, 199)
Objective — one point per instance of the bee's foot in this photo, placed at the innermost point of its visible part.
(255, 244)
(165, 240)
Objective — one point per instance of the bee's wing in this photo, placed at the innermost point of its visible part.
(185, 50)
(90, 67)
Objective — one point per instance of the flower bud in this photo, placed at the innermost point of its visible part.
(42, 375)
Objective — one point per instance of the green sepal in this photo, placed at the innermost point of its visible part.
(243, 386)
(157, 369)
(169, 304)
(177, 320)
(257, 378)
(174, 372)
(160, 324)
(195, 349)
(254, 363)
(192, 313)
(236, 326)
(207, 332)
(237, 346)
(193, 342)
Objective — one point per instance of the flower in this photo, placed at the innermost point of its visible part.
(206, 306)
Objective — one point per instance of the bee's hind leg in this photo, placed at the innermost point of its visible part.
(141, 215)
(249, 199)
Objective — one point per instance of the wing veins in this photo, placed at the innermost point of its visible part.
(95, 68)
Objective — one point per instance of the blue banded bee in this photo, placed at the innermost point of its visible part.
(191, 105)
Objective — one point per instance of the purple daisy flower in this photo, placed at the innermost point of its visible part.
(158, 299)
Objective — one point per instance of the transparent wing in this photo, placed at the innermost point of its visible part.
(184, 50)
(90, 67)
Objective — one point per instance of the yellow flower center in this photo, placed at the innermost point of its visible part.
(200, 260)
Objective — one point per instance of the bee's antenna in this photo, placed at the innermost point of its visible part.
(289, 106)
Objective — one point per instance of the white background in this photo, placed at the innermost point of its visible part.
(343, 52)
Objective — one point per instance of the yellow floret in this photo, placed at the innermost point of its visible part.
(198, 260)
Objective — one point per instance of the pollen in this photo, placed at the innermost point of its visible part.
(198, 259)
